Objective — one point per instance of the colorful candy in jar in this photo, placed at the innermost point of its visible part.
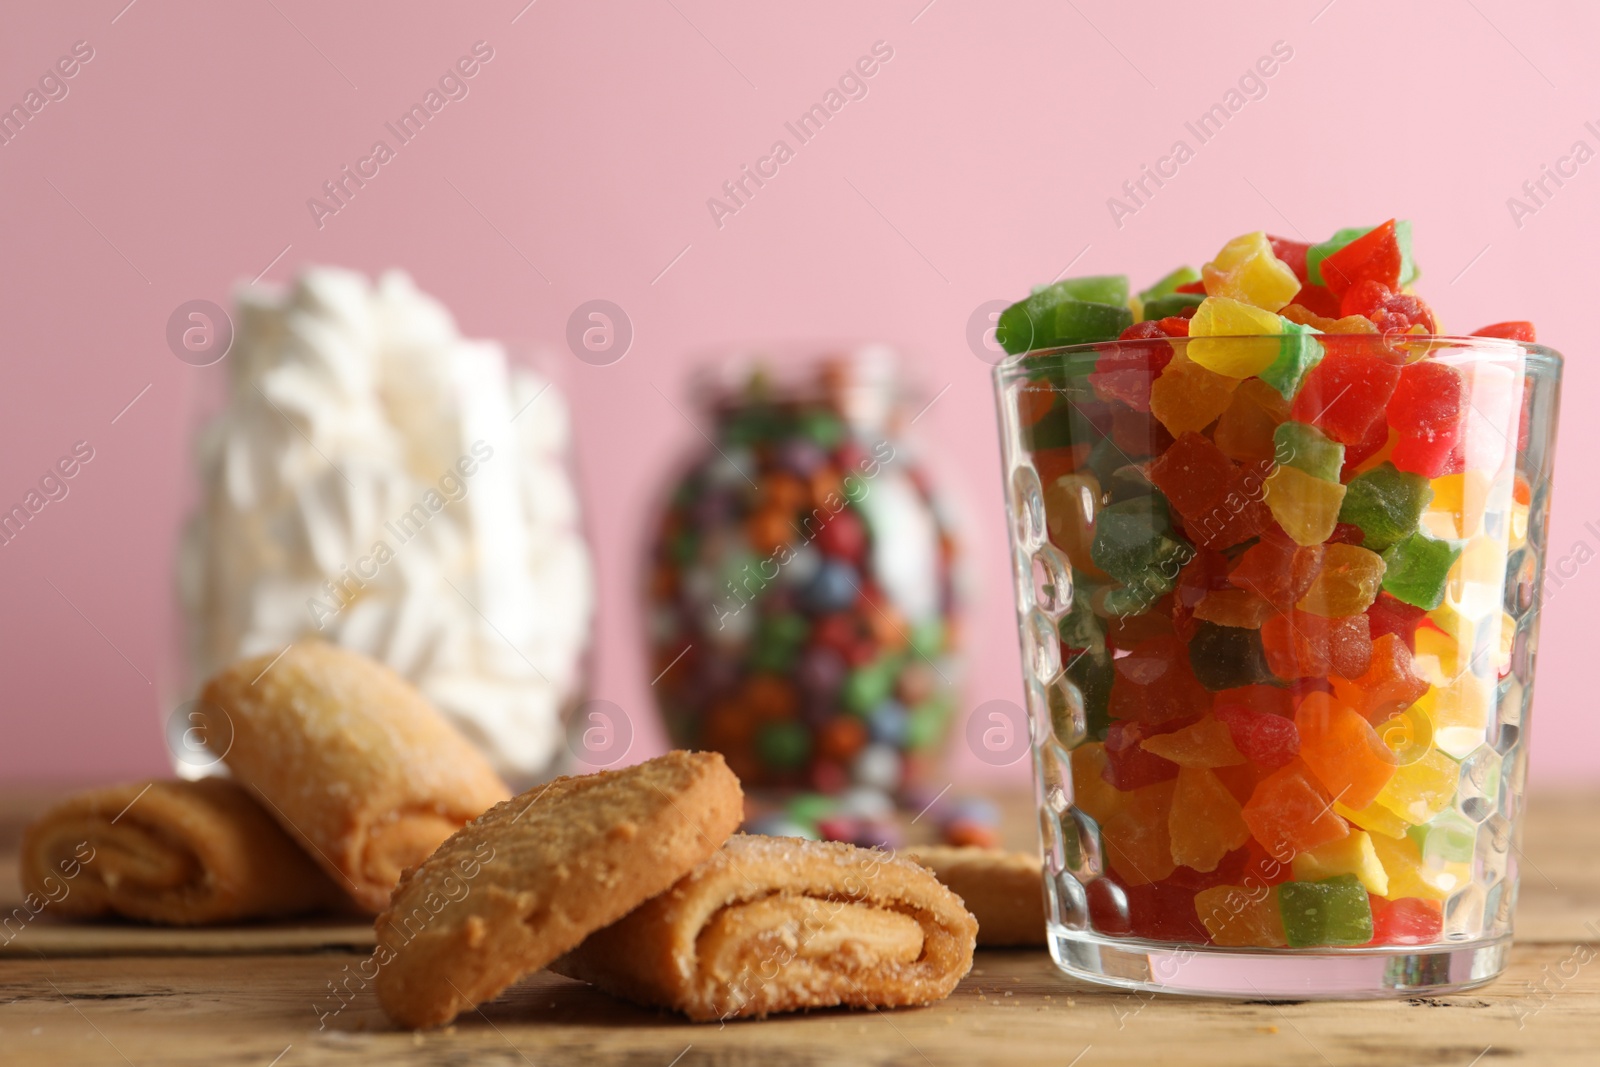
(1287, 518)
(801, 592)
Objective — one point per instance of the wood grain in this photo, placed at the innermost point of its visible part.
(1014, 1008)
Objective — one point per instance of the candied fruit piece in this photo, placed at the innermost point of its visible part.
(1343, 750)
(1346, 584)
(1345, 393)
(1227, 657)
(1277, 569)
(1241, 916)
(1154, 683)
(1421, 789)
(1233, 338)
(1137, 844)
(1428, 412)
(1210, 491)
(1272, 741)
(1289, 812)
(1386, 503)
(1306, 507)
(1297, 445)
(1390, 684)
(1374, 255)
(1418, 568)
(1390, 615)
(1124, 373)
(1330, 912)
(1206, 744)
(1245, 432)
(1407, 921)
(1249, 270)
(1353, 854)
(1233, 607)
(1129, 765)
(1187, 397)
(1204, 823)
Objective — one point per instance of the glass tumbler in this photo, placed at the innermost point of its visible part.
(1278, 640)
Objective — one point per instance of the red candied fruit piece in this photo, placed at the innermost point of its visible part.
(1162, 911)
(1299, 644)
(1219, 500)
(1391, 615)
(1277, 569)
(1516, 330)
(1205, 573)
(1129, 765)
(1390, 312)
(1407, 921)
(1191, 287)
(1124, 373)
(1374, 256)
(1371, 444)
(1345, 393)
(1346, 533)
(1291, 253)
(1428, 411)
(1136, 434)
(1317, 299)
(1267, 699)
(1154, 683)
(1268, 740)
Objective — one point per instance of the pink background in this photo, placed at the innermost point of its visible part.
(979, 163)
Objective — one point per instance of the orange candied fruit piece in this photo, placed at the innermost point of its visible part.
(1290, 813)
(1343, 750)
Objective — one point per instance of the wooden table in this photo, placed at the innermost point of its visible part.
(258, 1010)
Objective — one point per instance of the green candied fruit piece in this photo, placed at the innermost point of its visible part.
(1297, 444)
(1162, 307)
(1088, 666)
(1169, 283)
(1323, 249)
(1416, 569)
(1097, 288)
(1386, 503)
(1134, 543)
(1334, 911)
(1070, 312)
(1298, 351)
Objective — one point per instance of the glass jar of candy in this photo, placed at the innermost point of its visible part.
(801, 599)
(1279, 654)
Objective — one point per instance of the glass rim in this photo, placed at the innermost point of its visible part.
(1542, 357)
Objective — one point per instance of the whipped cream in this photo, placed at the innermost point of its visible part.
(380, 481)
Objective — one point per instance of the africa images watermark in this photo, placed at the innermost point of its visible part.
(53, 487)
(56, 889)
(405, 929)
(52, 88)
(1252, 85)
(452, 85)
(346, 588)
(1537, 192)
(852, 85)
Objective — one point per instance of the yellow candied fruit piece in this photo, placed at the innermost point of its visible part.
(1375, 818)
(1422, 789)
(1411, 876)
(1305, 506)
(1438, 658)
(1233, 338)
(1247, 270)
(1071, 504)
(1351, 854)
(1458, 504)
(1459, 712)
(1477, 579)
(1242, 917)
